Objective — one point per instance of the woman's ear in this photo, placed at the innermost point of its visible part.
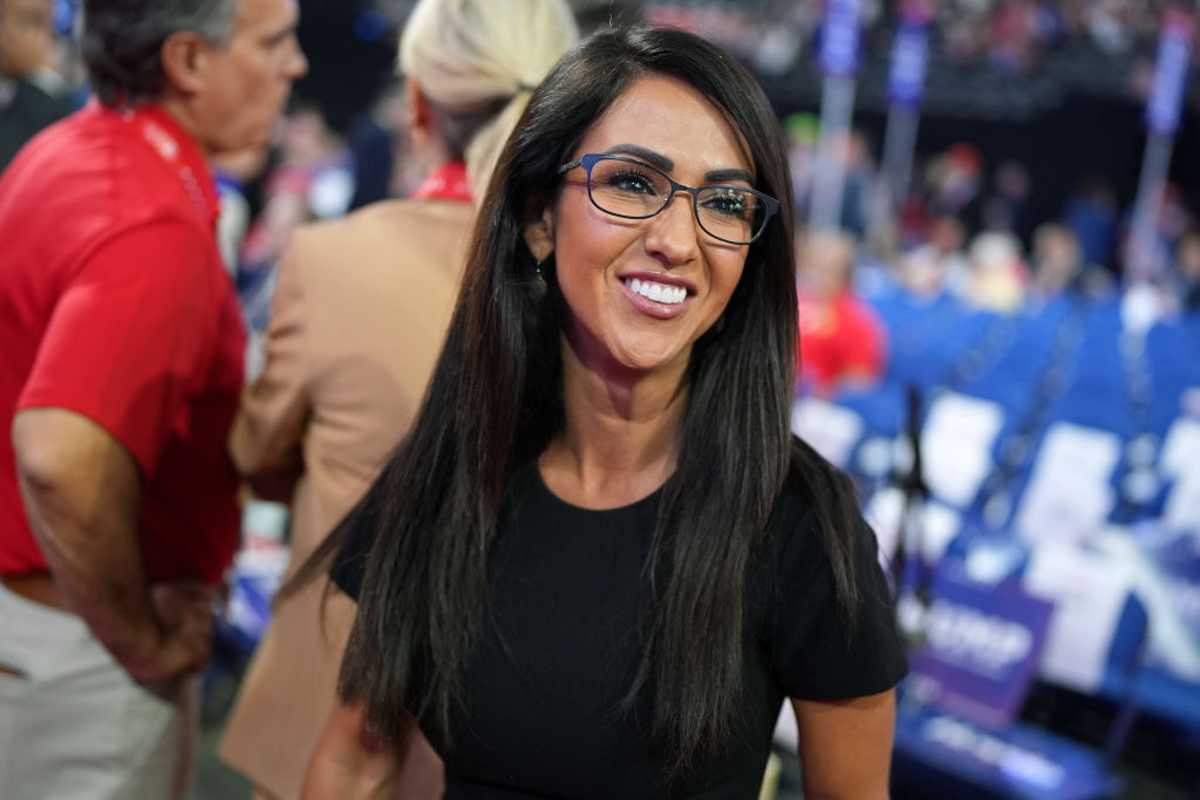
(539, 236)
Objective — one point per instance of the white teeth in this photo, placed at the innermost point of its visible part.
(658, 292)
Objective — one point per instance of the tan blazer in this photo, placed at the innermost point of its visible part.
(361, 308)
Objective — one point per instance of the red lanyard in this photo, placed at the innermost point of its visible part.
(447, 182)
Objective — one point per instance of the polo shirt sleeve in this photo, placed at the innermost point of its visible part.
(816, 653)
(130, 336)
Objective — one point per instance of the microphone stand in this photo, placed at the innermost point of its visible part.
(910, 537)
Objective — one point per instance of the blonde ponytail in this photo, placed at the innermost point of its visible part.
(466, 52)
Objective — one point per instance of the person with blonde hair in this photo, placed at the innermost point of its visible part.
(360, 313)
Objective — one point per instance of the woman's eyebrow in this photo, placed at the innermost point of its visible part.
(649, 156)
(719, 175)
(656, 159)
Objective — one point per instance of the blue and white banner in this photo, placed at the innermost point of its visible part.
(839, 38)
(1170, 73)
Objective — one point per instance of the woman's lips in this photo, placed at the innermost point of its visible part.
(655, 308)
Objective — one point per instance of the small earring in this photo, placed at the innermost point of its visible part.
(539, 279)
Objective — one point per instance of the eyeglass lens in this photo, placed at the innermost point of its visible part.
(628, 189)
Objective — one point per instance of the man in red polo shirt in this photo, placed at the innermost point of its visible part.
(121, 373)
(842, 341)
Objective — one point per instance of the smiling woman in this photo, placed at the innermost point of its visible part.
(600, 561)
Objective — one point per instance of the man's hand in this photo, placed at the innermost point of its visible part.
(180, 645)
(82, 494)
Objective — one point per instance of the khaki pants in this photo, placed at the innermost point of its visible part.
(74, 726)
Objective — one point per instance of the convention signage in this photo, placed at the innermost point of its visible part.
(980, 652)
(910, 54)
(1170, 73)
(839, 38)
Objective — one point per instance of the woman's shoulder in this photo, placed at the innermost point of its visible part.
(816, 509)
(811, 486)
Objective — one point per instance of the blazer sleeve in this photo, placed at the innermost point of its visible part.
(268, 434)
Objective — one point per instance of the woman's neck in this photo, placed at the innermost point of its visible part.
(620, 439)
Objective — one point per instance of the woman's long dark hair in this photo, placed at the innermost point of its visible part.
(495, 402)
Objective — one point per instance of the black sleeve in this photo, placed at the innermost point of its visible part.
(350, 563)
(815, 654)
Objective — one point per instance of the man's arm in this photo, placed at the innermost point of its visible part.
(82, 495)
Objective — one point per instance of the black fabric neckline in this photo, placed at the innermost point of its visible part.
(637, 506)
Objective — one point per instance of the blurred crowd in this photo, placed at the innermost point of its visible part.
(967, 226)
(1014, 34)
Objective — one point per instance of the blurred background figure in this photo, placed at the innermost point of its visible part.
(27, 50)
(1057, 262)
(997, 277)
(123, 366)
(1091, 213)
(1006, 209)
(591, 15)
(841, 340)
(938, 265)
(359, 314)
(1187, 265)
(233, 172)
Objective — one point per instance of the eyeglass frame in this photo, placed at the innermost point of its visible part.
(588, 161)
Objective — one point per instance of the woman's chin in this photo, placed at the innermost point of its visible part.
(649, 356)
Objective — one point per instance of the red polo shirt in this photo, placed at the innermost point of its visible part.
(114, 305)
(839, 339)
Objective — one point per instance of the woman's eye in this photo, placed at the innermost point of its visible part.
(630, 181)
(733, 204)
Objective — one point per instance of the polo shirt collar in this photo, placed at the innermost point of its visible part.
(8, 91)
(179, 150)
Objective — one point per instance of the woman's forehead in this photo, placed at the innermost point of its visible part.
(671, 118)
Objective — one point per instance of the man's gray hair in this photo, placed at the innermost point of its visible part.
(123, 39)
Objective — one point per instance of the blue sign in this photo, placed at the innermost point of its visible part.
(839, 38)
(981, 651)
(65, 12)
(1170, 74)
(909, 56)
(1019, 761)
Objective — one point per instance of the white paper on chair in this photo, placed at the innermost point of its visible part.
(1181, 451)
(1183, 504)
(1069, 497)
(1181, 464)
(1088, 592)
(830, 429)
(957, 445)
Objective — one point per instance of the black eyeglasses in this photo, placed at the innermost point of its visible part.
(632, 189)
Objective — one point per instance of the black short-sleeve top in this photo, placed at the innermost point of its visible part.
(559, 648)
